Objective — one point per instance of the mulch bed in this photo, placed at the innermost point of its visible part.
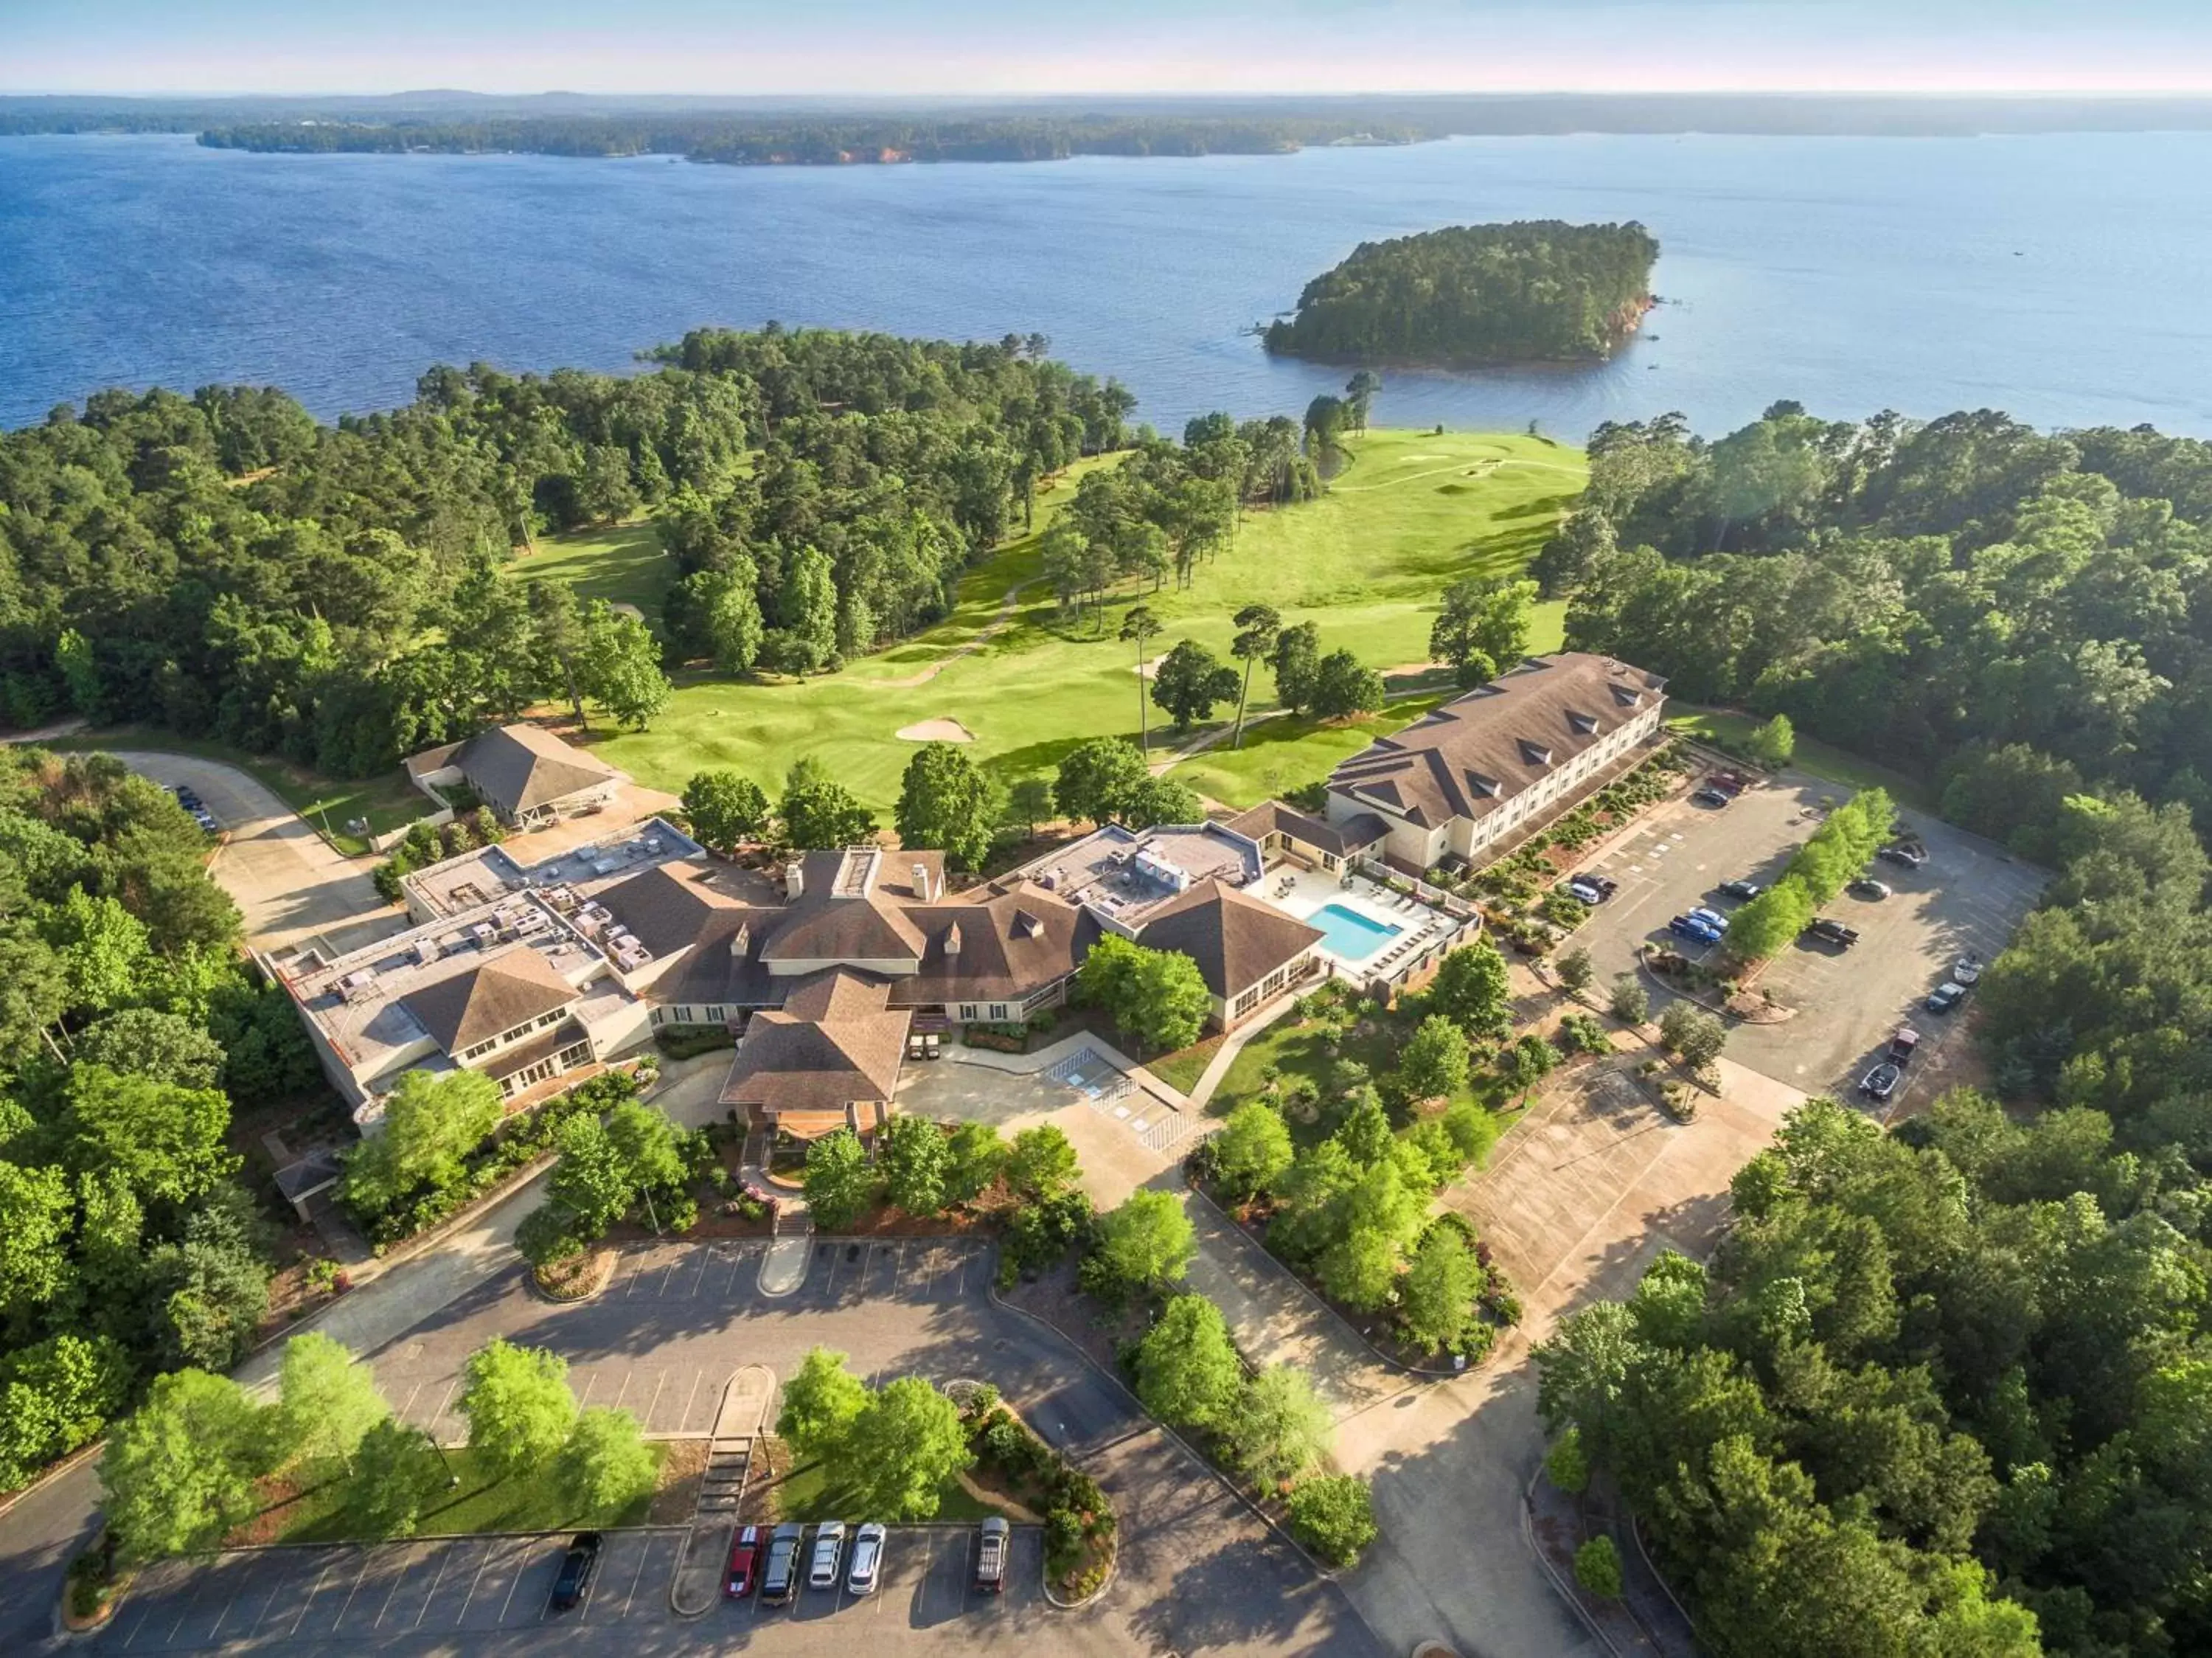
(578, 1278)
(676, 1497)
(1054, 1298)
(772, 1464)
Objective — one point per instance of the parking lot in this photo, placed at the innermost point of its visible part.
(1970, 896)
(478, 1594)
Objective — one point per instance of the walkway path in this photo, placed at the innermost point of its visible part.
(1004, 614)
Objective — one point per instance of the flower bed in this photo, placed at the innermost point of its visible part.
(1080, 1527)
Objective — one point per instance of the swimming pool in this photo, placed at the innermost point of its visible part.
(1349, 936)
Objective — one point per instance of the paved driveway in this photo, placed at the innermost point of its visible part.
(285, 879)
(1970, 896)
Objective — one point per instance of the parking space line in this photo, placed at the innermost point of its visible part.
(638, 1577)
(263, 1612)
(511, 1588)
(445, 1559)
(408, 1407)
(690, 1398)
(832, 1284)
(199, 1587)
(584, 1399)
(491, 1548)
(668, 1277)
(392, 1593)
(146, 1612)
(627, 1375)
(310, 1600)
(452, 1387)
(705, 1254)
(636, 1273)
(366, 1554)
(647, 1418)
(738, 1259)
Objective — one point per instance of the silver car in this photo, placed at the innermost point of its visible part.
(867, 1559)
(829, 1550)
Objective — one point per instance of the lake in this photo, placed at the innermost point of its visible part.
(2056, 276)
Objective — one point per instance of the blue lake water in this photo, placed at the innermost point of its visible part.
(2057, 277)
(1349, 936)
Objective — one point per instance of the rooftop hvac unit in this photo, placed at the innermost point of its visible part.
(426, 951)
(1173, 876)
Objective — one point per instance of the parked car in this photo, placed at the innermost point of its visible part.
(577, 1566)
(745, 1562)
(1945, 997)
(1911, 854)
(1903, 1045)
(1968, 972)
(1710, 917)
(1709, 795)
(1604, 884)
(1881, 1081)
(867, 1559)
(780, 1576)
(1867, 887)
(186, 797)
(1691, 927)
(1729, 783)
(1832, 932)
(1742, 891)
(206, 819)
(828, 1550)
(991, 1555)
(1585, 891)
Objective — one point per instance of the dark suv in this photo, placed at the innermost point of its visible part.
(780, 1576)
(577, 1566)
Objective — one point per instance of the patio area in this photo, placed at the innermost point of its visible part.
(1369, 931)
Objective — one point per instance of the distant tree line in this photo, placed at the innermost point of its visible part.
(1537, 291)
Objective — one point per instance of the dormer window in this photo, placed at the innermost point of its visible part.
(741, 942)
(1626, 698)
(1582, 724)
(1533, 754)
(1486, 787)
(952, 939)
(1027, 925)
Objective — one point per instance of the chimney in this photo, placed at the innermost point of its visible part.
(921, 882)
(794, 879)
(952, 939)
(741, 942)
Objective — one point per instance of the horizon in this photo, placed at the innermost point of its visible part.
(1225, 48)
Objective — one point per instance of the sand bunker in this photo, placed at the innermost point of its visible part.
(937, 731)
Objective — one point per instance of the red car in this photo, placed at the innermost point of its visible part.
(745, 1553)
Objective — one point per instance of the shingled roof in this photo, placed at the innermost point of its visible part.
(1236, 941)
(667, 908)
(1480, 749)
(835, 1042)
(477, 1004)
(516, 767)
(1273, 817)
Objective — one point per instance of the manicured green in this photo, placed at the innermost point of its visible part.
(806, 1493)
(322, 1513)
(1182, 1069)
(1412, 513)
(623, 565)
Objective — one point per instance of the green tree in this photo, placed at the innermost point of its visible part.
(1258, 627)
(167, 1142)
(518, 1407)
(729, 615)
(55, 1395)
(1528, 1062)
(1483, 627)
(906, 1444)
(396, 1472)
(974, 1158)
(1597, 1568)
(1041, 1164)
(821, 1403)
(1161, 800)
(1470, 990)
(840, 1185)
(945, 804)
(1360, 1269)
(1434, 1063)
(1138, 627)
(1252, 1150)
(1567, 1465)
(1145, 1244)
(1295, 661)
(104, 949)
(725, 810)
(1326, 420)
(1279, 1428)
(1335, 1517)
(148, 1042)
(591, 1183)
(178, 1472)
(1188, 1373)
(1156, 997)
(1342, 688)
(1629, 1002)
(808, 606)
(1696, 1036)
(1359, 397)
(1029, 801)
(605, 1465)
(917, 1162)
(1442, 1282)
(1774, 744)
(1574, 969)
(325, 1402)
(430, 1124)
(821, 815)
(1096, 778)
(39, 1208)
(1770, 921)
(619, 667)
(1189, 680)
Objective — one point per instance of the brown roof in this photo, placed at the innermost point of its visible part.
(1273, 817)
(523, 1055)
(519, 766)
(509, 989)
(835, 1041)
(667, 907)
(1479, 750)
(1236, 939)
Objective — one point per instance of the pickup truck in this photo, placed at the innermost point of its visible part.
(1832, 932)
(1903, 1046)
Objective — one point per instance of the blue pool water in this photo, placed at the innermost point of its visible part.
(1349, 936)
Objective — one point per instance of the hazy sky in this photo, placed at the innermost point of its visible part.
(1003, 46)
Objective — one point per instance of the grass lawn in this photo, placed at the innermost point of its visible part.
(388, 801)
(320, 1514)
(1182, 1069)
(622, 564)
(1412, 513)
(806, 1494)
(1822, 760)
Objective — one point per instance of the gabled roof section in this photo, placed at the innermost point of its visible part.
(1273, 817)
(667, 907)
(510, 990)
(1236, 939)
(836, 1041)
(1488, 745)
(519, 766)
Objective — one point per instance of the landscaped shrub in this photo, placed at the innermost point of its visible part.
(1335, 1517)
(688, 1041)
(1597, 1568)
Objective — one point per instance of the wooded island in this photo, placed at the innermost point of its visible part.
(1534, 291)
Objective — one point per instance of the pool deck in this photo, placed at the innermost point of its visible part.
(1417, 928)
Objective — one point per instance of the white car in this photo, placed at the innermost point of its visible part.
(867, 1559)
(829, 1549)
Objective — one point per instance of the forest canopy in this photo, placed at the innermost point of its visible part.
(1535, 291)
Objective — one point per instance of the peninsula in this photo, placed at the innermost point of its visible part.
(1476, 295)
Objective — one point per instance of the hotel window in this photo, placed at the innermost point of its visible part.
(717, 1015)
(683, 1016)
(999, 1013)
(653, 1017)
